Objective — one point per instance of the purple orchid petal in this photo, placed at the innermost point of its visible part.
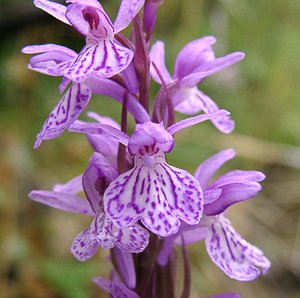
(110, 88)
(164, 194)
(116, 288)
(90, 19)
(232, 254)
(131, 79)
(157, 55)
(226, 295)
(96, 178)
(186, 101)
(180, 125)
(105, 59)
(86, 243)
(231, 194)
(49, 58)
(208, 69)
(238, 176)
(127, 11)
(62, 201)
(55, 9)
(73, 186)
(65, 112)
(98, 128)
(208, 168)
(194, 54)
(125, 266)
(133, 239)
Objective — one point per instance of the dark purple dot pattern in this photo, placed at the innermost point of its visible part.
(102, 232)
(65, 112)
(159, 196)
(239, 259)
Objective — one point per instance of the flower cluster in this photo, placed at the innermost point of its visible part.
(136, 199)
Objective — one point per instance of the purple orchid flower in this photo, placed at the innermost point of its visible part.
(102, 232)
(102, 55)
(195, 62)
(239, 259)
(152, 191)
(75, 99)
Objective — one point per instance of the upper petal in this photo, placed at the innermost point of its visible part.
(65, 112)
(127, 11)
(208, 168)
(73, 186)
(210, 68)
(232, 254)
(157, 56)
(194, 54)
(55, 9)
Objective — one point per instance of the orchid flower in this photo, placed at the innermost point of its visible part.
(101, 55)
(101, 232)
(75, 99)
(238, 259)
(152, 191)
(195, 62)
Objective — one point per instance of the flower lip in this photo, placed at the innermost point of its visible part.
(149, 138)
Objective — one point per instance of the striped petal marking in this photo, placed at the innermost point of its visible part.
(105, 58)
(155, 193)
(239, 259)
(65, 112)
(102, 232)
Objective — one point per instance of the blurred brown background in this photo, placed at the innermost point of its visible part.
(262, 92)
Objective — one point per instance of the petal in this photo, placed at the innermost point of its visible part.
(180, 125)
(232, 254)
(231, 194)
(98, 128)
(86, 243)
(96, 178)
(65, 112)
(62, 201)
(133, 239)
(208, 168)
(116, 288)
(186, 101)
(55, 9)
(158, 196)
(210, 68)
(195, 53)
(236, 176)
(49, 58)
(223, 124)
(127, 11)
(105, 59)
(157, 55)
(73, 186)
(110, 88)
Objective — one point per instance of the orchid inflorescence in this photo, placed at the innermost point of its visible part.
(142, 207)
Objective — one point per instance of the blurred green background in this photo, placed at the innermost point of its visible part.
(262, 92)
